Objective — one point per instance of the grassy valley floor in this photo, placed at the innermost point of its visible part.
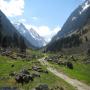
(7, 81)
(80, 71)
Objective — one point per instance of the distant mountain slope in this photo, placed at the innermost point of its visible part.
(76, 21)
(78, 42)
(9, 36)
(75, 34)
(30, 35)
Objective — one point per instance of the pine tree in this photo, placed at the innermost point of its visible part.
(22, 44)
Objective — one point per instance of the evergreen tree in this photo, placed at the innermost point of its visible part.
(22, 44)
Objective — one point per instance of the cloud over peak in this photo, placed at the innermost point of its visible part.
(44, 31)
(35, 18)
(12, 7)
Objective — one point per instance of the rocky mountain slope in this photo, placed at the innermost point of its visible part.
(9, 36)
(75, 32)
(31, 35)
(76, 20)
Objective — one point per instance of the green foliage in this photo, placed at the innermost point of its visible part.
(15, 40)
(49, 79)
(67, 42)
(0, 30)
(80, 71)
(88, 52)
(22, 44)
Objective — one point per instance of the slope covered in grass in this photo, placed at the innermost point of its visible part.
(7, 81)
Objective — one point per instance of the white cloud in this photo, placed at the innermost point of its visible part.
(12, 7)
(44, 31)
(56, 29)
(52, 32)
(35, 18)
(22, 20)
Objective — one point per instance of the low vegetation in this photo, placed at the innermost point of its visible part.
(79, 69)
(9, 65)
(67, 42)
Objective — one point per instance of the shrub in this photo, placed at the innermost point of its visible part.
(69, 65)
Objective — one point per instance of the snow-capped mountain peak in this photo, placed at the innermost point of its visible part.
(31, 35)
(35, 34)
(76, 20)
(85, 6)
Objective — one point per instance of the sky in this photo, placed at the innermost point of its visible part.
(45, 16)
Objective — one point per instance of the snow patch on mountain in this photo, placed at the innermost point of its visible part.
(76, 21)
(31, 35)
(73, 18)
(35, 35)
(85, 6)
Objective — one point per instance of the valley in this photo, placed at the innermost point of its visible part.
(19, 64)
(79, 85)
(53, 71)
(34, 56)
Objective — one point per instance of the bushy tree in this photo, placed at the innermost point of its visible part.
(69, 65)
(15, 41)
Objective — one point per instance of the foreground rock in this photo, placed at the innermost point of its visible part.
(42, 87)
(23, 77)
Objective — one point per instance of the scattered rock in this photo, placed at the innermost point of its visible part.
(12, 74)
(36, 68)
(46, 71)
(24, 71)
(35, 75)
(69, 65)
(42, 87)
(57, 88)
(23, 78)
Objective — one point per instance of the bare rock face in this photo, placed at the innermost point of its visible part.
(76, 20)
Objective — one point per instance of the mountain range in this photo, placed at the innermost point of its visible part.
(31, 35)
(9, 36)
(15, 31)
(74, 31)
(75, 23)
(76, 20)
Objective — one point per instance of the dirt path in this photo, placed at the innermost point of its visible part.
(79, 85)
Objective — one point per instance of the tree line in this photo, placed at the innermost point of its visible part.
(13, 41)
(66, 42)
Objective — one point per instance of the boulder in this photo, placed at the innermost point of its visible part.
(36, 68)
(23, 78)
(12, 74)
(19, 79)
(24, 71)
(42, 87)
(46, 71)
(69, 65)
(35, 75)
